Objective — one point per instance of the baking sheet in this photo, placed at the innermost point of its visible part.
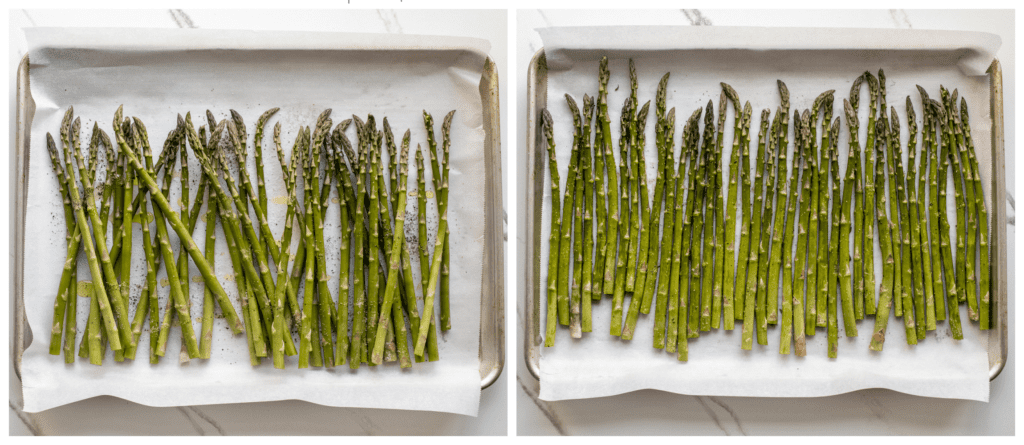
(580, 369)
(302, 73)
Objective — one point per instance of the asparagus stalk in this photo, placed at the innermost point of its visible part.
(844, 267)
(779, 227)
(857, 276)
(690, 138)
(719, 258)
(923, 304)
(588, 230)
(63, 302)
(867, 171)
(961, 177)
(985, 301)
(834, 242)
(602, 205)
(676, 300)
(746, 199)
(618, 293)
(824, 283)
(640, 170)
(729, 257)
(706, 215)
(638, 217)
(553, 242)
(930, 263)
(799, 274)
(893, 163)
(647, 291)
(445, 311)
(786, 326)
(939, 210)
(579, 293)
(755, 235)
(359, 297)
(773, 168)
(565, 245)
(885, 226)
(394, 259)
(435, 267)
(902, 284)
(670, 212)
(811, 306)
(612, 237)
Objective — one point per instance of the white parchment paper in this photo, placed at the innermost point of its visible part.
(159, 73)
(811, 61)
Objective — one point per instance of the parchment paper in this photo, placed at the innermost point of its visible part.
(813, 61)
(158, 73)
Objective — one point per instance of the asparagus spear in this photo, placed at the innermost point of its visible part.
(868, 211)
(893, 162)
(566, 244)
(393, 259)
(619, 290)
(612, 237)
(824, 283)
(755, 234)
(786, 326)
(553, 258)
(729, 256)
(677, 300)
(799, 274)
(669, 214)
(588, 230)
(834, 242)
(690, 139)
(812, 307)
(638, 217)
(63, 302)
(650, 267)
(706, 215)
(575, 328)
(857, 276)
(719, 257)
(939, 212)
(844, 270)
(923, 304)
(745, 201)
(445, 311)
(601, 214)
(929, 246)
(773, 168)
(961, 176)
(779, 227)
(979, 201)
(645, 216)
(435, 267)
(885, 226)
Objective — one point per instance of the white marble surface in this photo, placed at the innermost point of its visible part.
(863, 412)
(112, 416)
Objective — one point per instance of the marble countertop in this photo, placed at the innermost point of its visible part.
(113, 416)
(867, 412)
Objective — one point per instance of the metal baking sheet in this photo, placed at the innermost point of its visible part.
(492, 300)
(537, 97)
